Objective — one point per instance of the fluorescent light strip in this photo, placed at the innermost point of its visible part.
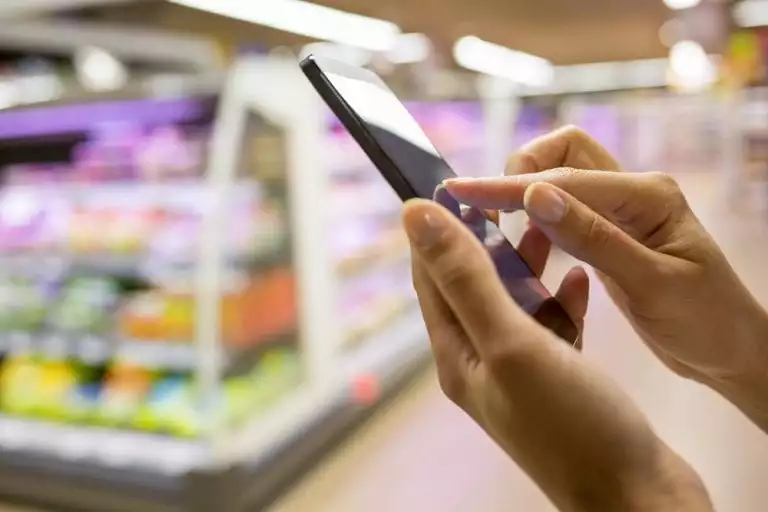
(491, 59)
(344, 53)
(604, 77)
(410, 48)
(751, 13)
(679, 5)
(306, 19)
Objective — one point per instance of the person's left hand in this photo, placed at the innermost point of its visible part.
(534, 249)
(579, 437)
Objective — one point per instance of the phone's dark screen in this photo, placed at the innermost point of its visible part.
(419, 162)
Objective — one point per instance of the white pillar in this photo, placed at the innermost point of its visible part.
(500, 110)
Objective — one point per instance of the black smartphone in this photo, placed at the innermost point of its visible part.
(402, 152)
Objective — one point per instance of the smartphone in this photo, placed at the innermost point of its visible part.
(412, 165)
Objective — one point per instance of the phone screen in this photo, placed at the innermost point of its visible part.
(396, 131)
(387, 121)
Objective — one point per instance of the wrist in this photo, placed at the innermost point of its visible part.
(669, 484)
(746, 386)
(673, 486)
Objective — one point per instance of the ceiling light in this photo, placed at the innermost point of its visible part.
(410, 48)
(306, 19)
(690, 66)
(491, 59)
(99, 70)
(39, 88)
(9, 95)
(681, 4)
(751, 13)
(606, 76)
(351, 55)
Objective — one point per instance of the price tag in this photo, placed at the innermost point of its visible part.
(5, 343)
(37, 437)
(182, 356)
(54, 346)
(20, 343)
(142, 353)
(12, 434)
(177, 459)
(93, 349)
(116, 450)
(74, 444)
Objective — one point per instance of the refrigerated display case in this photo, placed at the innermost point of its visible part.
(201, 290)
(184, 320)
(534, 119)
(150, 295)
(749, 160)
(381, 328)
(652, 131)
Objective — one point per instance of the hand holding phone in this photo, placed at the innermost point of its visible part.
(414, 168)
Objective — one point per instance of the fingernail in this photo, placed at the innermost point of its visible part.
(544, 203)
(451, 181)
(485, 180)
(424, 228)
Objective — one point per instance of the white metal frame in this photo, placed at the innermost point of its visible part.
(501, 105)
(276, 90)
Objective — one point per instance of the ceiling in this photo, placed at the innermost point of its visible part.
(564, 31)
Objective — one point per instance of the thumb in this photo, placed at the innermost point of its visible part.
(588, 236)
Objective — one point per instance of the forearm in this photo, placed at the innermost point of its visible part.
(669, 484)
(749, 394)
(674, 487)
(747, 386)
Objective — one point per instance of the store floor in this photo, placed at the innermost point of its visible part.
(420, 454)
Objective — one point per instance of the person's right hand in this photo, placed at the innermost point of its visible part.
(658, 263)
(567, 425)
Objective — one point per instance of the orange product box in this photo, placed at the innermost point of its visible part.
(265, 307)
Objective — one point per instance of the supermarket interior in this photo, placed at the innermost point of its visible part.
(218, 312)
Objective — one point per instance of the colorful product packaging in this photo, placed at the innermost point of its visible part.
(170, 408)
(124, 391)
(86, 305)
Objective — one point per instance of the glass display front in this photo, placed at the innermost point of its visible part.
(100, 214)
(370, 249)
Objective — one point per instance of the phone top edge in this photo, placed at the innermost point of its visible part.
(316, 74)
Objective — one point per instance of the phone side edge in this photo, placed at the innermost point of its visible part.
(357, 129)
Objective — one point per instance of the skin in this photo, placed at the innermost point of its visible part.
(658, 263)
(590, 449)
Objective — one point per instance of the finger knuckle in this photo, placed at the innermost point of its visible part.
(664, 182)
(574, 133)
(668, 188)
(515, 356)
(598, 233)
(454, 271)
(500, 361)
(451, 385)
(519, 162)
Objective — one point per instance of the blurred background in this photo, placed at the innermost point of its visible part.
(205, 299)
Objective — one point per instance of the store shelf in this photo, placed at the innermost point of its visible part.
(125, 266)
(373, 260)
(154, 355)
(99, 243)
(99, 446)
(119, 471)
(394, 347)
(387, 310)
